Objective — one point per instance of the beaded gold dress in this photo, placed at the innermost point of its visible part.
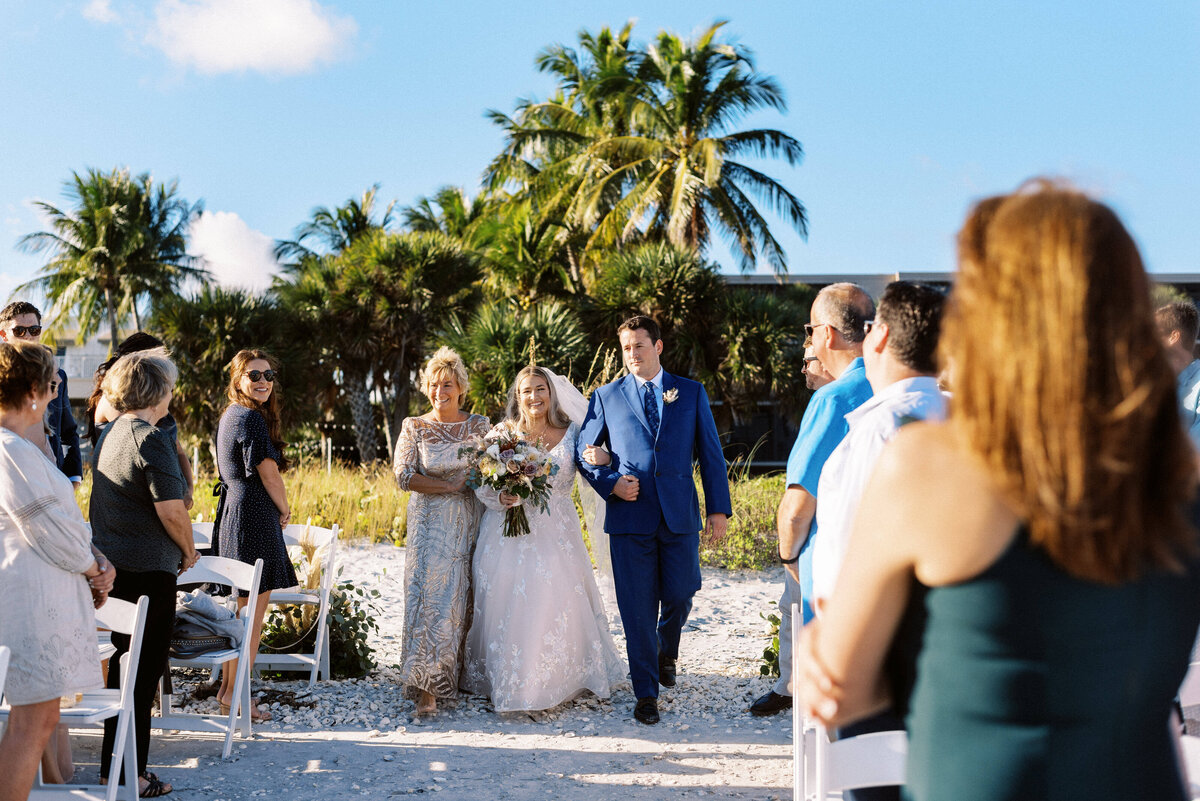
(437, 566)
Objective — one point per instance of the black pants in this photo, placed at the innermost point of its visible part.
(159, 587)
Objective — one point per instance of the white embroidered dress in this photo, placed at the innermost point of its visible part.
(46, 614)
(539, 635)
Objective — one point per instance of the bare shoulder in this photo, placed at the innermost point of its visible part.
(956, 520)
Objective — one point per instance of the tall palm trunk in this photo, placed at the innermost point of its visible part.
(363, 416)
(114, 332)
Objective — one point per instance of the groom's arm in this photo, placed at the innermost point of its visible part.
(713, 474)
(594, 431)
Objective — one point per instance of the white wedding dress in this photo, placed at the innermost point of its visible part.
(539, 635)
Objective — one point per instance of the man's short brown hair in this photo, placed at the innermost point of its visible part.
(15, 309)
(641, 322)
(1181, 316)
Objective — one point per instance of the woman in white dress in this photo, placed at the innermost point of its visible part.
(46, 565)
(539, 635)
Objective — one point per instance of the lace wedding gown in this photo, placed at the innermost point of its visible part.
(539, 635)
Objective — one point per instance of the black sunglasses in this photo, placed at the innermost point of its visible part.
(31, 330)
(261, 375)
(810, 327)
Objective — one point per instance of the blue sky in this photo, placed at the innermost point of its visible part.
(907, 111)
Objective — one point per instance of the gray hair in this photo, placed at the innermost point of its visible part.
(847, 306)
(140, 380)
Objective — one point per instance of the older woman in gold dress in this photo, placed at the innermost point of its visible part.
(443, 520)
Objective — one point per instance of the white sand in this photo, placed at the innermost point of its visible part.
(360, 741)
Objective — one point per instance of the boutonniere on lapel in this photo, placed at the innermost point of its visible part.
(671, 395)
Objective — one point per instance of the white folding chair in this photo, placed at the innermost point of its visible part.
(1189, 754)
(868, 760)
(97, 706)
(4, 652)
(821, 767)
(202, 535)
(325, 541)
(241, 576)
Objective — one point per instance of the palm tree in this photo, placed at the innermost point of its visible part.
(203, 332)
(161, 266)
(336, 229)
(642, 143)
(499, 339)
(683, 293)
(450, 211)
(311, 282)
(401, 288)
(124, 238)
(762, 338)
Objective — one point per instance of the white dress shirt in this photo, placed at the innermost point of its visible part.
(844, 476)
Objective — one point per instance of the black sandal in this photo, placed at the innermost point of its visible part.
(155, 787)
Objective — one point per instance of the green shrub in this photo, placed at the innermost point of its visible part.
(751, 540)
(770, 657)
(352, 614)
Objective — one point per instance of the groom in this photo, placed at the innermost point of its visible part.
(654, 425)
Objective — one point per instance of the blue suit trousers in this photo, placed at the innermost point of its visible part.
(656, 574)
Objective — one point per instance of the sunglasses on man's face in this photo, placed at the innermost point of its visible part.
(262, 375)
(27, 330)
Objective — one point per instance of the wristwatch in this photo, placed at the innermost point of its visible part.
(791, 561)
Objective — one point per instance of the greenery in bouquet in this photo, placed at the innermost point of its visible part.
(507, 462)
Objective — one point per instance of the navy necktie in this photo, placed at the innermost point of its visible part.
(650, 403)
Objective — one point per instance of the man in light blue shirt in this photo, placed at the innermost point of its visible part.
(1178, 324)
(837, 334)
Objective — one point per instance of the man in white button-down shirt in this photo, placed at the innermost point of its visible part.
(1178, 325)
(900, 356)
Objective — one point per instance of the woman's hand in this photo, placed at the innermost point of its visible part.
(104, 575)
(818, 694)
(456, 482)
(100, 582)
(508, 501)
(595, 455)
(189, 560)
(285, 516)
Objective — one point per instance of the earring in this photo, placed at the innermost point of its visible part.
(35, 406)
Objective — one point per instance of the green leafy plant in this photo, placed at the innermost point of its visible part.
(352, 617)
(770, 657)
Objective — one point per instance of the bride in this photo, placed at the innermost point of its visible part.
(539, 635)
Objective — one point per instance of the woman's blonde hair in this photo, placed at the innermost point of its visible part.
(555, 416)
(25, 367)
(139, 380)
(1061, 385)
(445, 362)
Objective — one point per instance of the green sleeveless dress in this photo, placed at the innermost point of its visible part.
(1031, 684)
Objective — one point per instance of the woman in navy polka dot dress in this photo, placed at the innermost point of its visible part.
(253, 508)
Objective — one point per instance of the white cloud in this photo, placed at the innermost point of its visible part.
(100, 11)
(236, 254)
(275, 37)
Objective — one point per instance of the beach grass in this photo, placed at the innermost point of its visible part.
(368, 506)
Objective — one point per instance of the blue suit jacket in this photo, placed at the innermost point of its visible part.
(663, 467)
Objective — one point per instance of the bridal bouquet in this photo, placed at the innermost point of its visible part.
(504, 461)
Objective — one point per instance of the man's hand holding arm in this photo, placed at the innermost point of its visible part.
(603, 478)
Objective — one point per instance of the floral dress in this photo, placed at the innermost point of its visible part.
(437, 565)
(539, 635)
